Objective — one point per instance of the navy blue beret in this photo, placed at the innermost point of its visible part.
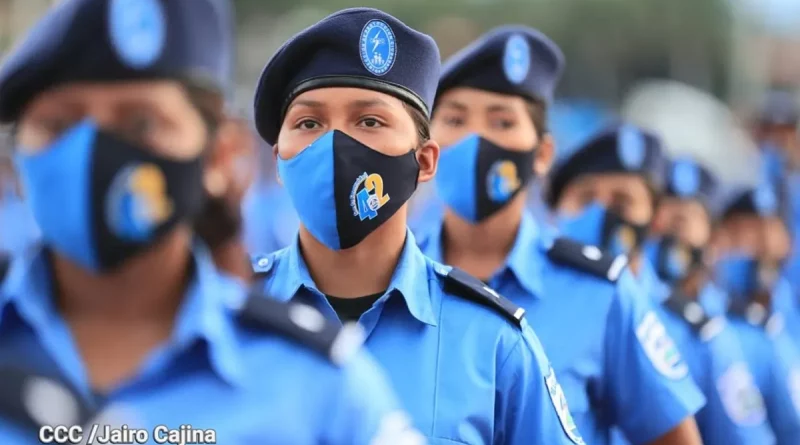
(620, 148)
(358, 47)
(112, 40)
(780, 108)
(687, 179)
(761, 200)
(514, 60)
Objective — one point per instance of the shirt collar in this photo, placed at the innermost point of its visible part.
(204, 314)
(524, 261)
(410, 278)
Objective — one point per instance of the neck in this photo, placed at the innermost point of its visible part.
(231, 257)
(364, 269)
(493, 237)
(148, 288)
(635, 263)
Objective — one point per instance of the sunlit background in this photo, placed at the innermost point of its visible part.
(735, 50)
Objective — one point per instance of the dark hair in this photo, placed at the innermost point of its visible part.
(220, 220)
(421, 123)
(537, 110)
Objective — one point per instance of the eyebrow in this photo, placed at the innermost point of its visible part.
(306, 103)
(498, 107)
(367, 103)
(453, 104)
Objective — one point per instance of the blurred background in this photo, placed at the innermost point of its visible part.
(734, 50)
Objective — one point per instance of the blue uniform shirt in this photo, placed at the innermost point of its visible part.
(735, 412)
(775, 361)
(464, 372)
(250, 386)
(589, 327)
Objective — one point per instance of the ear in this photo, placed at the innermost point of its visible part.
(275, 158)
(230, 167)
(428, 158)
(545, 154)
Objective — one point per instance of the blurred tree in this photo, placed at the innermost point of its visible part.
(609, 44)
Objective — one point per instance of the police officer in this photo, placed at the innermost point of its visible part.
(345, 103)
(490, 116)
(681, 229)
(117, 107)
(751, 242)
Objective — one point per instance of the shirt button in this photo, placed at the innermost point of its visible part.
(263, 262)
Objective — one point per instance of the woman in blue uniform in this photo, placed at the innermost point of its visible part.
(490, 116)
(120, 139)
(345, 104)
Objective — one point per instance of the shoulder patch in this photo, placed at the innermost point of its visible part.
(694, 314)
(559, 400)
(262, 264)
(32, 401)
(302, 324)
(660, 348)
(465, 285)
(587, 258)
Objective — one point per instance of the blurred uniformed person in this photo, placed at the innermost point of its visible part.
(345, 103)
(490, 117)
(751, 242)
(681, 233)
(120, 138)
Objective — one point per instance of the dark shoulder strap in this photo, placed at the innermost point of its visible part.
(587, 258)
(5, 265)
(753, 313)
(464, 285)
(302, 324)
(28, 399)
(691, 312)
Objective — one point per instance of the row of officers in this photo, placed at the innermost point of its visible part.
(651, 309)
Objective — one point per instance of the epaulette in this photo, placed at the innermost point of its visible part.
(586, 258)
(5, 265)
(32, 401)
(302, 324)
(262, 264)
(462, 284)
(756, 314)
(694, 315)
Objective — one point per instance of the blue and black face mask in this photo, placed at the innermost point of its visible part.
(672, 259)
(743, 275)
(100, 200)
(343, 190)
(601, 227)
(477, 178)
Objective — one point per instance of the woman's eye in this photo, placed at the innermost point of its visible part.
(308, 124)
(454, 121)
(371, 123)
(503, 124)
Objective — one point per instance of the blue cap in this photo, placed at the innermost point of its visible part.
(514, 60)
(687, 179)
(619, 148)
(762, 200)
(357, 47)
(112, 40)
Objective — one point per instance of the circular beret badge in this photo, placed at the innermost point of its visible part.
(631, 148)
(137, 29)
(685, 179)
(377, 47)
(516, 59)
